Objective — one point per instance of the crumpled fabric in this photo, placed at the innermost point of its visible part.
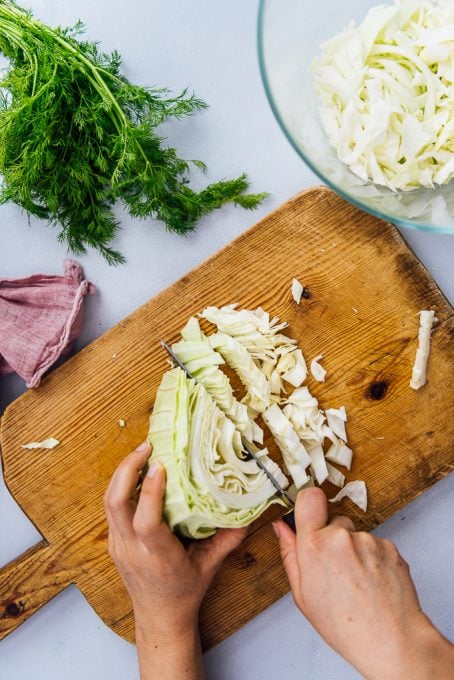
(40, 318)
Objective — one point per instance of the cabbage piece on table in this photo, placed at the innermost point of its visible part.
(357, 493)
(419, 371)
(209, 484)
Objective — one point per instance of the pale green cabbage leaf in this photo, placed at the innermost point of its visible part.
(258, 388)
(201, 360)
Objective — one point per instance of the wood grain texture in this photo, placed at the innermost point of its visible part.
(402, 439)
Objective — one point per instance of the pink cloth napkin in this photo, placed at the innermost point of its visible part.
(40, 317)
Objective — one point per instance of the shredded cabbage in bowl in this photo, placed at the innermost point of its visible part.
(386, 91)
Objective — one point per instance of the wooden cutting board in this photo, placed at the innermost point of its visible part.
(366, 288)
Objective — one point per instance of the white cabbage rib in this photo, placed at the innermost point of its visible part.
(252, 329)
(337, 417)
(201, 360)
(340, 453)
(419, 371)
(303, 412)
(386, 94)
(258, 389)
(274, 353)
(356, 491)
(318, 463)
(297, 373)
(209, 485)
(295, 456)
(335, 476)
(297, 290)
(317, 370)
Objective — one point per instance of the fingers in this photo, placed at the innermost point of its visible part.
(147, 522)
(311, 511)
(212, 551)
(287, 547)
(342, 522)
(117, 499)
(226, 540)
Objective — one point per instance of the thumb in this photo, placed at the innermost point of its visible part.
(212, 551)
(287, 547)
(311, 511)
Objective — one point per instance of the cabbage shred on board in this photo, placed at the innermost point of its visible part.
(386, 93)
(197, 424)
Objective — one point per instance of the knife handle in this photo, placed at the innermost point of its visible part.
(289, 519)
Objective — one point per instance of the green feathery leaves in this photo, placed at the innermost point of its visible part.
(76, 136)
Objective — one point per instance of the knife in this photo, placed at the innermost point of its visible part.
(289, 517)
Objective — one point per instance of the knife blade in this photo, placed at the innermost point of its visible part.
(248, 448)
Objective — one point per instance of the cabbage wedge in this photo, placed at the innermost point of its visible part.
(209, 484)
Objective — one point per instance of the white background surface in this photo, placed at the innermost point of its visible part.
(210, 46)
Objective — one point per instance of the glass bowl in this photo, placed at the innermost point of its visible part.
(290, 33)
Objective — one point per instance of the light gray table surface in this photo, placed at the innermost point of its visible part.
(209, 45)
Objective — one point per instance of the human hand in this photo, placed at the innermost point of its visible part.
(166, 581)
(357, 592)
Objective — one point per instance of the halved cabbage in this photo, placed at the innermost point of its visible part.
(196, 424)
(209, 484)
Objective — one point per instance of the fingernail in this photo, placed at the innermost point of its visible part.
(152, 469)
(275, 529)
(143, 447)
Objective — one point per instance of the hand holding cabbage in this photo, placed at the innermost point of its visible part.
(166, 582)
